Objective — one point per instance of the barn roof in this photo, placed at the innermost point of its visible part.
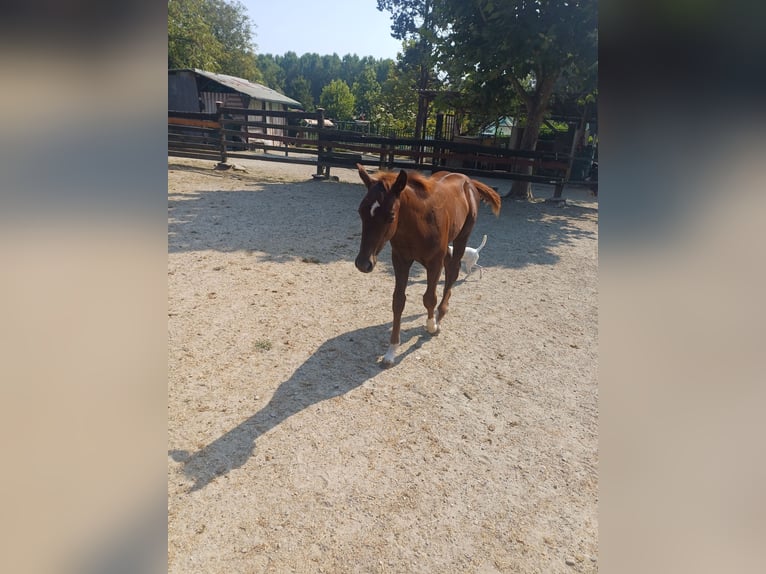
(252, 89)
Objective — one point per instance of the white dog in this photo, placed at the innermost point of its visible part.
(471, 257)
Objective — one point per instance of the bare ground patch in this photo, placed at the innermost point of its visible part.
(291, 450)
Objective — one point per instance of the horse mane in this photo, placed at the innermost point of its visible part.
(419, 183)
(423, 187)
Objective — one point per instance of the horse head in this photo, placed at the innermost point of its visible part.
(379, 211)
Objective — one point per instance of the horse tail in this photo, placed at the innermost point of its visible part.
(488, 195)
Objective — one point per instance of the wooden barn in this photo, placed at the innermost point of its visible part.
(194, 90)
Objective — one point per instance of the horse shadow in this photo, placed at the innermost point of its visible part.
(307, 386)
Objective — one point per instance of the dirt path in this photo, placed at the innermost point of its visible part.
(291, 450)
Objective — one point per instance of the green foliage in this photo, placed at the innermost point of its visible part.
(232, 27)
(398, 105)
(486, 58)
(272, 73)
(545, 129)
(413, 22)
(304, 77)
(533, 48)
(337, 100)
(367, 94)
(528, 48)
(263, 345)
(299, 88)
(191, 42)
(380, 91)
(407, 16)
(213, 35)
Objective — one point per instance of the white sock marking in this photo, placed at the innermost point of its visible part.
(388, 359)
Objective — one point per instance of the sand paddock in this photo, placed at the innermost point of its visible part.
(291, 450)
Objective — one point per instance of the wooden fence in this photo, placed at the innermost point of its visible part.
(302, 138)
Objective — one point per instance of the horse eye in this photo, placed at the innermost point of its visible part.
(390, 218)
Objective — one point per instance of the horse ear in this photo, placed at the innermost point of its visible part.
(400, 183)
(364, 175)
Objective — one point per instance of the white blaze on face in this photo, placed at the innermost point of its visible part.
(375, 206)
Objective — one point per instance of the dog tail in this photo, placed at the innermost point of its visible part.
(483, 241)
(488, 196)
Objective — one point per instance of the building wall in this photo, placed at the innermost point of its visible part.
(260, 105)
(182, 92)
(229, 99)
(183, 95)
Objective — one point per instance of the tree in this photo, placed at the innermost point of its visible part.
(337, 100)
(304, 77)
(299, 89)
(273, 74)
(191, 42)
(367, 94)
(232, 27)
(413, 23)
(525, 45)
(398, 108)
(214, 35)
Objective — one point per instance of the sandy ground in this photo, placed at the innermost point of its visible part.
(292, 450)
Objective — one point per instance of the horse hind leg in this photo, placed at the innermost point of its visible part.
(451, 273)
(433, 272)
(452, 264)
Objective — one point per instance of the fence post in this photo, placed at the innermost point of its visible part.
(320, 126)
(383, 154)
(218, 106)
(558, 190)
(286, 134)
(438, 135)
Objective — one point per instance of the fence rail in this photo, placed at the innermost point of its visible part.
(242, 133)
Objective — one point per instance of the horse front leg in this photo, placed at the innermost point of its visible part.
(402, 272)
(433, 272)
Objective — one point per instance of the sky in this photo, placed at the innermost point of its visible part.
(333, 26)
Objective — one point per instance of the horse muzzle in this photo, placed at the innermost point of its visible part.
(365, 264)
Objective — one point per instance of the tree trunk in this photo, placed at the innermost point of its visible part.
(537, 106)
(424, 76)
(420, 124)
(423, 102)
(523, 189)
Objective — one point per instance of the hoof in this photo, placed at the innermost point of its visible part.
(432, 326)
(388, 359)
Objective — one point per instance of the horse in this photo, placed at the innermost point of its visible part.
(420, 216)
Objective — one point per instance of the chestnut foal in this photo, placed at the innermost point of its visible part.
(420, 216)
